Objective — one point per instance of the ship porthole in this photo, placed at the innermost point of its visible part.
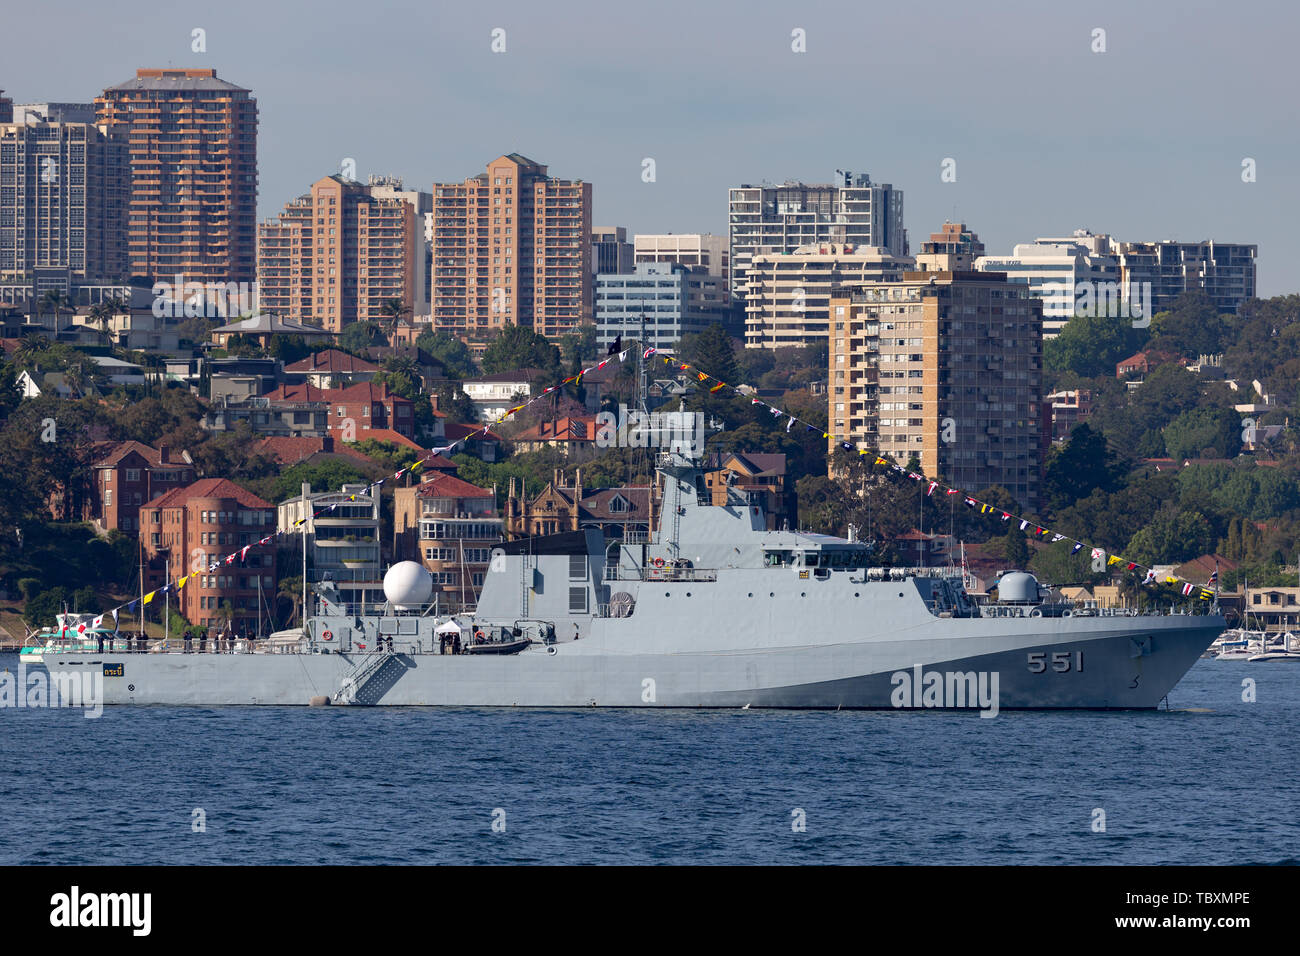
(900, 593)
(771, 594)
(751, 593)
(856, 594)
(688, 593)
(551, 650)
(803, 593)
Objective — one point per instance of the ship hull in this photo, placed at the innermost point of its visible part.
(1103, 663)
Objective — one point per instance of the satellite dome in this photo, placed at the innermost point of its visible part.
(407, 584)
(1015, 587)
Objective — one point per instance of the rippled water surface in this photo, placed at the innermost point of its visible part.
(354, 785)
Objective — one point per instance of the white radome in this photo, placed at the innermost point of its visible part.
(407, 584)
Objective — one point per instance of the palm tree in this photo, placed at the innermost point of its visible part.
(291, 589)
(32, 344)
(56, 300)
(100, 315)
(393, 310)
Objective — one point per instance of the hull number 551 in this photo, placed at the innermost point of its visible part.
(1060, 661)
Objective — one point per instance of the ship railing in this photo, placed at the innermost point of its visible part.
(666, 573)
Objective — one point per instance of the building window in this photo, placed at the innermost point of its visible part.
(577, 600)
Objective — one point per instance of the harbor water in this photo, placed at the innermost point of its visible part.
(1210, 781)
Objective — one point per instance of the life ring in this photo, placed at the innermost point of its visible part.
(327, 636)
(1035, 613)
(658, 562)
(1067, 613)
(480, 637)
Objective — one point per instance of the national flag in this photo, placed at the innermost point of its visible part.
(1150, 578)
(616, 345)
(97, 622)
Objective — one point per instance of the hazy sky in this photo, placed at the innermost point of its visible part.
(1143, 141)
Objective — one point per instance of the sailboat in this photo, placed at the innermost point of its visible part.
(1287, 652)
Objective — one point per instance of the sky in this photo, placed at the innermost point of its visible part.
(1144, 140)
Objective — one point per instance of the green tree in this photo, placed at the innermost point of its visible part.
(1079, 467)
(1015, 547)
(711, 352)
(455, 404)
(1204, 432)
(1092, 345)
(359, 336)
(517, 347)
(455, 356)
(1172, 537)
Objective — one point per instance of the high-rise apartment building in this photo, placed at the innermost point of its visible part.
(944, 366)
(1084, 271)
(63, 200)
(852, 211)
(611, 253)
(788, 295)
(511, 246)
(1055, 271)
(193, 147)
(670, 299)
(690, 249)
(390, 187)
(337, 255)
(1224, 271)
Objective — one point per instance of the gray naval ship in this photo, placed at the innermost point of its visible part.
(712, 610)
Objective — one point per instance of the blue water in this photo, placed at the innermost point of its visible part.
(339, 785)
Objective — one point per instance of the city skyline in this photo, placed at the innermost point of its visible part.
(1030, 114)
